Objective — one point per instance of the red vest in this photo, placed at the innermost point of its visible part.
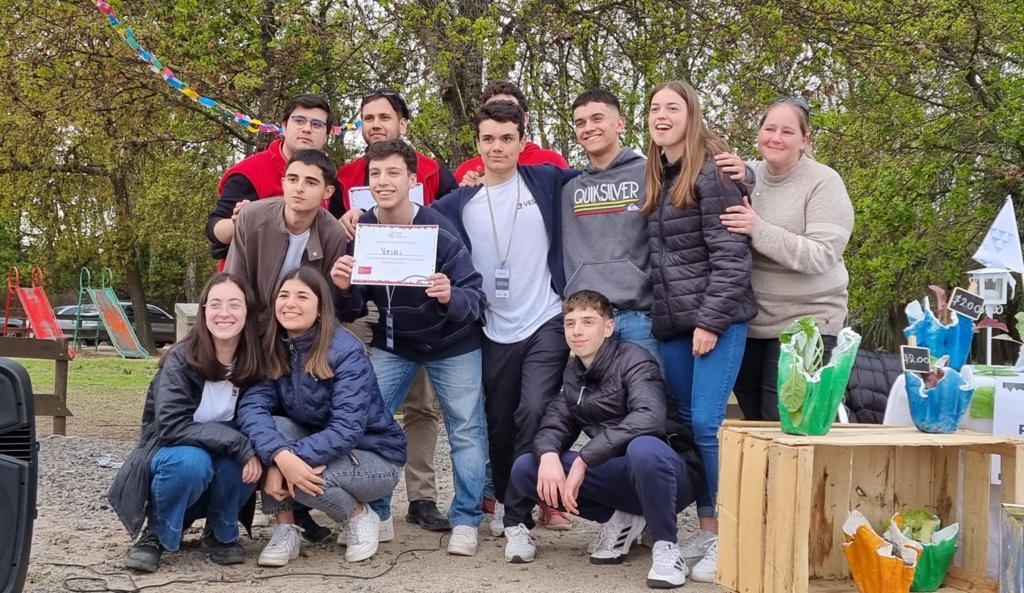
(531, 155)
(428, 173)
(264, 170)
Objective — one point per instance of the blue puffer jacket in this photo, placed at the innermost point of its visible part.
(344, 413)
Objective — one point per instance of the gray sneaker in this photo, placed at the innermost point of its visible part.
(704, 571)
(693, 549)
(667, 567)
(616, 536)
(283, 546)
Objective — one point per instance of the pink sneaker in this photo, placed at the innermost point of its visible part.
(554, 519)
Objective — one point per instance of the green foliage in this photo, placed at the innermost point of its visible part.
(919, 525)
(918, 105)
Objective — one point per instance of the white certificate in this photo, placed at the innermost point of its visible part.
(361, 197)
(394, 254)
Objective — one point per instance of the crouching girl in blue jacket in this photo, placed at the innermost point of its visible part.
(318, 422)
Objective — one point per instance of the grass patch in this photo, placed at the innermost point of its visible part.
(105, 394)
(94, 374)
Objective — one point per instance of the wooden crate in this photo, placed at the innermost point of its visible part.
(783, 499)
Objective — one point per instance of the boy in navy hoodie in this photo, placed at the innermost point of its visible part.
(511, 223)
(437, 328)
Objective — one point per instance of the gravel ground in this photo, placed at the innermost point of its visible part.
(77, 535)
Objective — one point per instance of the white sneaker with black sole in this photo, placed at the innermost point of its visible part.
(615, 538)
(694, 548)
(463, 541)
(385, 533)
(667, 567)
(283, 546)
(363, 535)
(704, 571)
(519, 548)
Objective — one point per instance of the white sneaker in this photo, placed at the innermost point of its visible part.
(282, 547)
(519, 548)
(363, 535)
(259, 519)
(704, 571)
(497, 526)
(385, 533)
(616, 536)
(463, 541)
(694, 548)
(667, 567)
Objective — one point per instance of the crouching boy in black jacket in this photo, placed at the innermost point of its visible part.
(639, 467)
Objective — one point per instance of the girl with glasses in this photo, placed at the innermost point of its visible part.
(191, 461)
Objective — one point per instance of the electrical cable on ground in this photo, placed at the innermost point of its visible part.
(103, 585)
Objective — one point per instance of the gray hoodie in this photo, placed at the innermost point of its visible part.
(604, 234)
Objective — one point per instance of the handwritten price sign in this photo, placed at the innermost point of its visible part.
(967, 303)
(916, 360)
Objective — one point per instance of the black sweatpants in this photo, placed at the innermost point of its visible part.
(520, 380)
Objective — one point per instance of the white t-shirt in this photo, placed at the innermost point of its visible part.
(532, 301)
(293, 257)
(217, 403)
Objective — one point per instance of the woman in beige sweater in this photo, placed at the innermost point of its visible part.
(799, 220)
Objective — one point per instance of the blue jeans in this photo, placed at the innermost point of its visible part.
(190, 483)
(359, 476)
(458, 382)
(635, 326)
(701, 387)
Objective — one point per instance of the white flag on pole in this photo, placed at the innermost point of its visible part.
(1001, 246)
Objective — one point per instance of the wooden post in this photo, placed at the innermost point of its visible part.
(54, 404)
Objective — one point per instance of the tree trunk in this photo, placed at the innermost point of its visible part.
(460, 92)
(138, 297)
(129, 254)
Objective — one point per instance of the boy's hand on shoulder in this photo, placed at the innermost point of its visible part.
(550, 479)
(349, 220)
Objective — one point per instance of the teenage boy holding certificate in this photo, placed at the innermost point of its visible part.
(436, 328)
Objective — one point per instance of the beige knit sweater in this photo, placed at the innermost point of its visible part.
(805, 223)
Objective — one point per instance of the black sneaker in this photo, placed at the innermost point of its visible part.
(144, 555)
(222, 553)
(312, 531)
(425, 514)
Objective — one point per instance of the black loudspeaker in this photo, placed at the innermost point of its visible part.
(19, 470)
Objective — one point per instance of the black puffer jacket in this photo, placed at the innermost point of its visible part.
(620, 397)
(172, 399)
(700, 271)
(872, 377)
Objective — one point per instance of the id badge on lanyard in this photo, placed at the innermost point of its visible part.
(502, 283)
(389, 330)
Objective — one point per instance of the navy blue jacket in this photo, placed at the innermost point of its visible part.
(545, 183)
(344, 413)
(425, 329)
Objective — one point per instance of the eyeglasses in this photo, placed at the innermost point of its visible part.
(301, 121)
(797, 102)
(234, 305)
(394, 97)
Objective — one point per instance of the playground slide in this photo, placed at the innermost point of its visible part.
(122, 335)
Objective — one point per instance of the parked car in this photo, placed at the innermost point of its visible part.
(160, 321)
